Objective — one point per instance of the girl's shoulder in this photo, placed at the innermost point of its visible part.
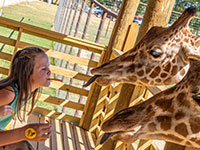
(6, 95)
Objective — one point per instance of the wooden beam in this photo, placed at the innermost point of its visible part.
(119, 34)
(56, 115)
(51, 35)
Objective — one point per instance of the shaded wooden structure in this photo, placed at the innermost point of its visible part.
(73, 132)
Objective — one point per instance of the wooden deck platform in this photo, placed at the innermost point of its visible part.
(64, 136)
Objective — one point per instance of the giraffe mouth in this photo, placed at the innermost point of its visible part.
(92, 79)
(107, 136)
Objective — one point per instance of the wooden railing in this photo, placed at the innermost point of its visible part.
(22, 28)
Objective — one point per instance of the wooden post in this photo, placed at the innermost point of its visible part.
(158, 13)
(124, 20)
(88, 20)
(100, 27)
(18, 39)
(126, 15)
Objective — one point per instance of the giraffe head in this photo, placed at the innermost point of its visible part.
(172, 115)
(160, 58)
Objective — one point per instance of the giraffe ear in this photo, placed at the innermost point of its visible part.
(156, 53)
(196, 98)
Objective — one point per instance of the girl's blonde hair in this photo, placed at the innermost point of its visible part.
(21, 69)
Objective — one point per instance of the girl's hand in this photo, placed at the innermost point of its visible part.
(5, 110)
(36, 132)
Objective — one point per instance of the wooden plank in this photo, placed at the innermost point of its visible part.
(18, 39)
(44, 145)
(131, 37)
(61, 102)
(91, 140)
(56, 137)
(51, 35)
(50, 113)
(5, 56)
(80, 141)
(69, 73)
(51, 53)
(7, 41)
(4, 71)
(70, 58)
(68, 137)
(68, 88)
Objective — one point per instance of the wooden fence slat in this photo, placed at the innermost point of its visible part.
(69, 73)
(61, 102)
(18, 39)
(51, 113)
(91, 140)
(4, 71)
(71, 58)
(5, 56)
(44, 145)
(81, 143)
(68, 136)
(51, 35)
(65, 87)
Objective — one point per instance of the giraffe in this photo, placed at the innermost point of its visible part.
(160, 58)
(172, 115)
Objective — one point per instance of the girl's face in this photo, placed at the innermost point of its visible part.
(41, 72)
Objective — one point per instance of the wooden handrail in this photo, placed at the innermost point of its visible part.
(51, 35)
(111, 13)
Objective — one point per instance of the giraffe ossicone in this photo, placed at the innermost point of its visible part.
(160, 58)
(172, 115)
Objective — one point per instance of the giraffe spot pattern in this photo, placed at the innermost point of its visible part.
(174, 70)
(182, 72)
(192, 42)
(167, 68)
(165, 104)
(182, 101)
(163, 75)
(181, 129)
(154, 74)
(188, 143)
(158, 80)
(152, 127)
(196, 140)
(140, 73)
(169, 137)
(145, 80)
(131, 68)
(179, 115)
(148, 70)
(165, 122)
(132, 78)
(169, 91)
(194, 124)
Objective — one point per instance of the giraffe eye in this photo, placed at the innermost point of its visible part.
(156, 53)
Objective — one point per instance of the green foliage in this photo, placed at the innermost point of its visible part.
(180, 5)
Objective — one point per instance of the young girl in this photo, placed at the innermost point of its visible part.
(29, 71)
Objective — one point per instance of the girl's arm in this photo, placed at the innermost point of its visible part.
(17, 135)
(7, 95)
